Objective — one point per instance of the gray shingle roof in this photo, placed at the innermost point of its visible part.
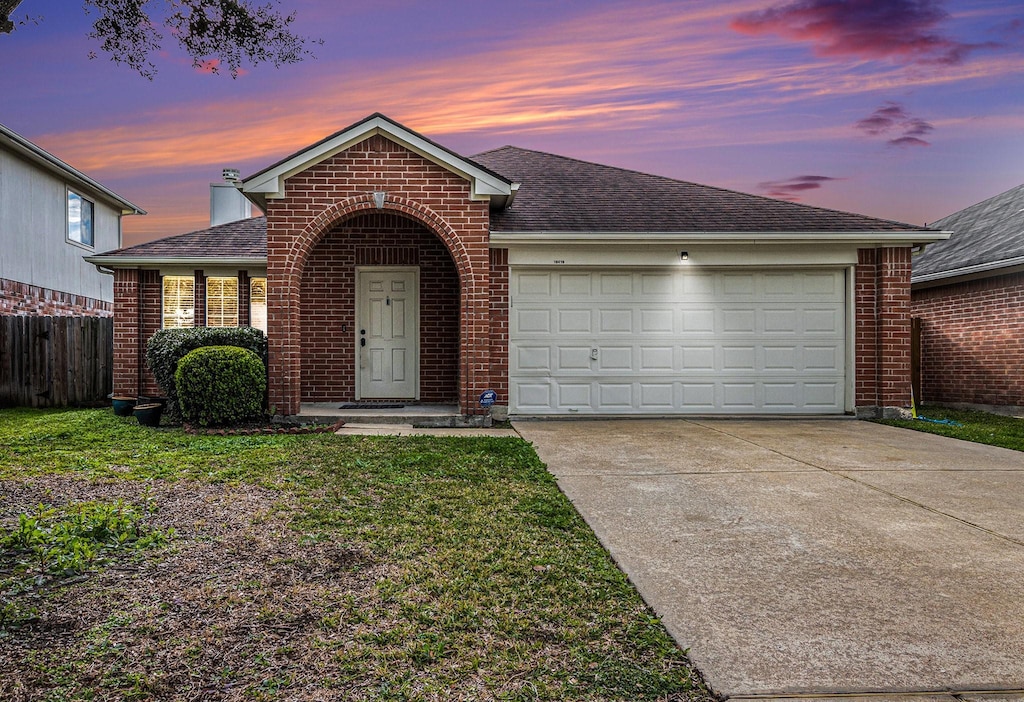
(568, 195)
(246, 238)
(559, 194)
(985, 235)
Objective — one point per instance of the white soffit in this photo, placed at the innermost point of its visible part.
(269, 184)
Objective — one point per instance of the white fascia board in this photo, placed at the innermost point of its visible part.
(39, 156)
(154, 262)
(1011, 265)
(271, 184)
(885, 238)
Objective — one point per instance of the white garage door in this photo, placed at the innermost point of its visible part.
(677, 341)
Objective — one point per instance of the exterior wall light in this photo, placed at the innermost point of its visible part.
(684, 256)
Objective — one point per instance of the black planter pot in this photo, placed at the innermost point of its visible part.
(149, 414)
(123, 406)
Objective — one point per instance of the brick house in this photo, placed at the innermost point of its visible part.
(51, 215)
(388, 267)
(968, 293)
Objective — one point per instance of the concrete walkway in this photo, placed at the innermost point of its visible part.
(812, 557)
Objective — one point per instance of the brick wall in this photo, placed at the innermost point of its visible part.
(882, 329)
(972, 341)
(328, 315)
(24, 299)
(499, 324)
(340, 188)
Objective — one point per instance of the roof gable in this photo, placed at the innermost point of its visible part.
(987, 236)
(268, 184)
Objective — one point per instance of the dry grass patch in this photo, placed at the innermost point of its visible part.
(324, 568)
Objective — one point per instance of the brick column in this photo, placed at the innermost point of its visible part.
(243, 299)
(499, 324)
(126, 332)
(882, 343)
(894, 327)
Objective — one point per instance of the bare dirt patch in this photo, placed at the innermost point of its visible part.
(236, 604)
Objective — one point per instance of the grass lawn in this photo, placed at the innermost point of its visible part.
(971, 425)
(310, 567)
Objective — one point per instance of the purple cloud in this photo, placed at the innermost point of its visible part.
(898, 30)
(893, 119)
(790, 188)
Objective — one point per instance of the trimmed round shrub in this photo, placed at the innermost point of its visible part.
(220, 385)
(168, 346)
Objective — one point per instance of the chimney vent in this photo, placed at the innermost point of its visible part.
(227, 203)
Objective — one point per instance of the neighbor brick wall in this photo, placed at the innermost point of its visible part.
(328, 315)
(972, 341)
(882, 336)
(24, 299)
(341, 187)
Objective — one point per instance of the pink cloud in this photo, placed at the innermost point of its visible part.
(900, 30)
(791, 188)
(893, 120)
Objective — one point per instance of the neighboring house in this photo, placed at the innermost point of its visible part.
(969, 294)
(51, 216)
(389, 267)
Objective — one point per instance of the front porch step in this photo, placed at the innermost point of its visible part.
(420, 416)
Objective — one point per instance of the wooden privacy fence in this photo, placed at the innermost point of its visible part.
(55, 361)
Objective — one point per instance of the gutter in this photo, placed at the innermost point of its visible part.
(709, 237)
(1008, 263)
(144, 261)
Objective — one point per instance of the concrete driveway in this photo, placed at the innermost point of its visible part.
(811, 557)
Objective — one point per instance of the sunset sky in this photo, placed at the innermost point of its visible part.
(902, 109)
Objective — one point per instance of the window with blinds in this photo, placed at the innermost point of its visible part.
(258, 303)
(179, 304)
(222, 302)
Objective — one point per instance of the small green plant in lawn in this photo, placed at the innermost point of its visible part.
(50, 545)
(220, 385)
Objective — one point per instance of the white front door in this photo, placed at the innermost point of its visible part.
(387, 333)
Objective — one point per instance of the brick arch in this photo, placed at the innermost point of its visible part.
(286, 266)
(311, 235)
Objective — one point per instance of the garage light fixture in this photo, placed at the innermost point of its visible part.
(684, 256)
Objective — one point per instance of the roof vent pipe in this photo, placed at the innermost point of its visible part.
(227, 203)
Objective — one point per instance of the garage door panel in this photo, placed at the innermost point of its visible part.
(578, 284)
(573, 357)
(678, 342)
(574, 321)
(615, 321)
(616, 284)
(657, 321)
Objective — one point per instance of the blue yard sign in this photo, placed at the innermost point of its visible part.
(488, 398)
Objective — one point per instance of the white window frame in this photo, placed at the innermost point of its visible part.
(226, 319)
(78, 225)
(186, 316)
(254, 319)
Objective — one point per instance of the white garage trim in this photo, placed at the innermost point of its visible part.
(664, 341)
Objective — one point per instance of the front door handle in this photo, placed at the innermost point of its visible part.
(362, 342)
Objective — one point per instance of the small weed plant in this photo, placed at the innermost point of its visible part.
(49, 546)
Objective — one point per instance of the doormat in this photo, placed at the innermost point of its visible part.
(372, 405)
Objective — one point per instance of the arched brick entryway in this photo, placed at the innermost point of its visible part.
(289, 252)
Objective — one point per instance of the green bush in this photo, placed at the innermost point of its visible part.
(168, 346)
(220, 385)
